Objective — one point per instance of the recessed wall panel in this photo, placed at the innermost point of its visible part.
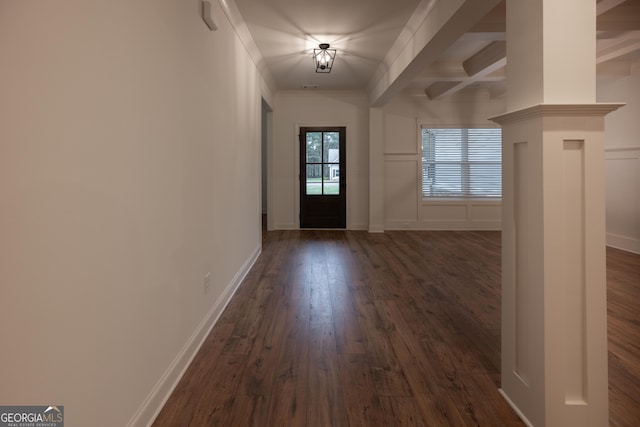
(574, 264)
(445, 212)
(400, 190)
(400, 135)
(522, 277)
(485, 212)
(623, 197)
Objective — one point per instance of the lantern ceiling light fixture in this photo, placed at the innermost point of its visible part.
(323, 58)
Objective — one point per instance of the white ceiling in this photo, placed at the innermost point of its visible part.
(287, 31)
(365, 31)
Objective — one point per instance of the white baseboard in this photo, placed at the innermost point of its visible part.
(152, 405)
(622, 242)
(376, 228)
(437, 225)
(285, 226)
(515, 408)
(357, 226)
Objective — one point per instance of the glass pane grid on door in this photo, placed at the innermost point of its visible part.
(323, 174)
(322, 163)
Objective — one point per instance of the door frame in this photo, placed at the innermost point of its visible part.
(296, 160)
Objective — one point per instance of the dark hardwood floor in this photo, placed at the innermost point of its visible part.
(623, 304)
(347, 328)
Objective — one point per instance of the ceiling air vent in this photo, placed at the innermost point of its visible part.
(310, 86)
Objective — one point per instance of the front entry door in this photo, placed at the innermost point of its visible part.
(323, 198)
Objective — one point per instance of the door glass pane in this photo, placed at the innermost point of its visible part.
(332, 179)
(314, 179)
(331, 147)
(314, 147)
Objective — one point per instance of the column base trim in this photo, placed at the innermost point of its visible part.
(515, 408)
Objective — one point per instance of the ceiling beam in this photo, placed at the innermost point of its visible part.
(491, 56)
(494, 21)
(446, 22)
(605, 5)
(615, 69)
(612, 52)
(478, 66)
(439, 89)
(624, 16)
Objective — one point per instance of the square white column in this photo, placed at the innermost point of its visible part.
(554, 318)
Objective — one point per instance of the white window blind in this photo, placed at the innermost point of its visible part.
(465, 162)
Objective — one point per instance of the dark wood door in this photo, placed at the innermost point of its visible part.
(323, 187)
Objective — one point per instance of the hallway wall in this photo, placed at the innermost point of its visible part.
(316, 108)
(129, 169)
(622, 146)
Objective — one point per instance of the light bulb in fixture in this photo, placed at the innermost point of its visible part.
(323, 58)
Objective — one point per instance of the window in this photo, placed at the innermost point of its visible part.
(463, 162)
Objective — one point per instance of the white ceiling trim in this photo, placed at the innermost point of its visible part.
(240, 27)
(417, 18)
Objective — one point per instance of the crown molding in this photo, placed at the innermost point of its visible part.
(241, 29)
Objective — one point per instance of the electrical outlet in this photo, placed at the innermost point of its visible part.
(207, 283)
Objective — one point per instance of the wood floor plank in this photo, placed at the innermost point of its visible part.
(362, 403)
(325, 405)
(288, 405)
(483, 412)
(439, 411)
(390, 380)
(623, 304)
(349, 337)
(400, 411)
(217, 390)
(334, 328)
(247, 411)
(259, 375)
(321, 308)
(181, 408)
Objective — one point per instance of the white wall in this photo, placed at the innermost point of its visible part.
(129, 168)
(295, 109)
(622, 139)
(404, 207)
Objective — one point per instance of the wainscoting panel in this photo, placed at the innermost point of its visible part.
(400, 193)
(461, 215)
(623, 198)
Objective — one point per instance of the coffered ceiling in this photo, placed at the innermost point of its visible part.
(370, 34)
